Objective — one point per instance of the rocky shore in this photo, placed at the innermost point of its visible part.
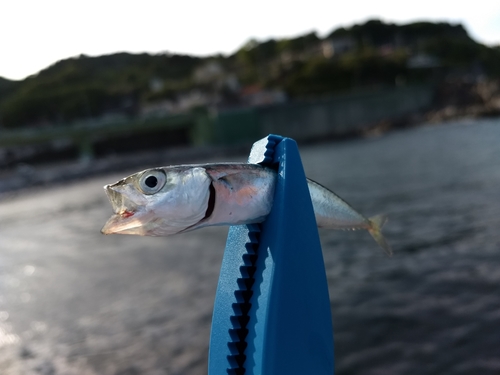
(461, 99)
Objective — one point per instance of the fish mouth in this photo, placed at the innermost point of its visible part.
(119, 224)
(126, 219)
(119, 202)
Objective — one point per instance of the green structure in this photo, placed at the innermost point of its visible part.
(83, 135)
(333, 116)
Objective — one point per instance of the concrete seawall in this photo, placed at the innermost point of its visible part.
(335, 116)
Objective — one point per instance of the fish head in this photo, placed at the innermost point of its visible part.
(158, 201)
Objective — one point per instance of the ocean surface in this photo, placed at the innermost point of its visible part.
(75, 302)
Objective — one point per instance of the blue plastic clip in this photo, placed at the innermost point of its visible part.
(272, 309)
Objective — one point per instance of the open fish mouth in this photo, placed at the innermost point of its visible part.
(119, 202)
(125, 220)
(118, 224)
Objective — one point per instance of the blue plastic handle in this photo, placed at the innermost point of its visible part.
(272, 309)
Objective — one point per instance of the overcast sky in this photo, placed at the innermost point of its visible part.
(35, 34)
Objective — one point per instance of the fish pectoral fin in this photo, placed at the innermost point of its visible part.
(376, 224)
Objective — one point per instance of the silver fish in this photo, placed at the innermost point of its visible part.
(176, 199)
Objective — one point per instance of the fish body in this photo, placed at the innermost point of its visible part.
(175, 199)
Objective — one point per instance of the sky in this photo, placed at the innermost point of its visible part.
(35, 34)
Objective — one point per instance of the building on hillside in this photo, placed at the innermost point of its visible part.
(334, 47)
(158, 109)
(210, 72)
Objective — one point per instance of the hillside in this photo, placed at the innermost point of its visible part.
(7, 87)
(369, 55)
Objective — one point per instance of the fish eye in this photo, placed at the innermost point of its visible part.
(152, 181)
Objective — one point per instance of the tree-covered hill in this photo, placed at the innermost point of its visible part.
(378, 33)
(366, 55)
(83, 86)
(7, 87)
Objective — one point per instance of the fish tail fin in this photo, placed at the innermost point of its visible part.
(376, 224)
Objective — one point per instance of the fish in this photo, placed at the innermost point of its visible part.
(176, 199)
